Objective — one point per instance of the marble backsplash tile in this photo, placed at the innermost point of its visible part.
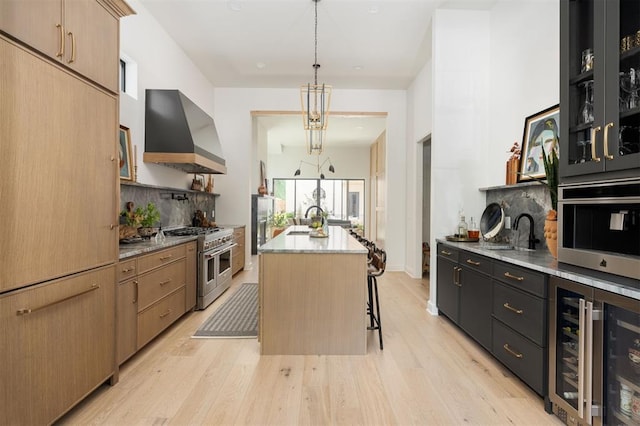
(522, 198)
(173, 212)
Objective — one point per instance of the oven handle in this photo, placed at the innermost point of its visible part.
(216, 253)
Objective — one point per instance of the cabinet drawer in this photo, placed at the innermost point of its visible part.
(475, 262)
(521, 311)
(448, 252)
(160, 316)
(127, 269)
(524, 279)
(157, 284)
(160, 258)
(520, 355)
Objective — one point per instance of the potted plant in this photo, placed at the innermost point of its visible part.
(278, 222)
(142, 219)
(551, 165)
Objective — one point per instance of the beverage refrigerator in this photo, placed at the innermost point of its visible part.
(594, 355)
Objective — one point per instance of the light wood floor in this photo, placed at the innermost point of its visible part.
(429, 373)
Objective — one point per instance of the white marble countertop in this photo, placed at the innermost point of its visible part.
(338, 241)
(542, 261)
(147, 246)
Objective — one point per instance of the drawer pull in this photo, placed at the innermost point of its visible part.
(124, 271)
(512, 309)
(513, 277)
(446, 253)
(165, 282)
(471, 262)
(169, 256)
(512, 352)
(165, 314)
(25, 311)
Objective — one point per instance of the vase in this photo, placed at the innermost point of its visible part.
(551, 232)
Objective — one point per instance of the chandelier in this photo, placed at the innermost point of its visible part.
(318, 166)
(315, 99)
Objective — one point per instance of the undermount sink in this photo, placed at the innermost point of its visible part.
(298, 233)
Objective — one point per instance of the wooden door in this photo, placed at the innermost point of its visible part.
(37, 23)
(57, 345)
(92, 42)
(127, 319)
(58, 180)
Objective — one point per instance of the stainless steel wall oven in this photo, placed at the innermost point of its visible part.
(599, 226)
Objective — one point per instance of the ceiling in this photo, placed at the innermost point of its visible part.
(362, 44)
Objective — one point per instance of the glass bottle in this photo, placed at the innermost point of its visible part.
(474, 232)
(462, 228)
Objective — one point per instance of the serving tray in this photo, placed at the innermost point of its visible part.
(462, 239)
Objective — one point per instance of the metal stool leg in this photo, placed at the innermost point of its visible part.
(370, 302)
(378, 320)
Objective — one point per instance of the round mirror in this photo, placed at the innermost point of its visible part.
(492, 220)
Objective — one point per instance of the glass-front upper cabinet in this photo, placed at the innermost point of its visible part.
(599, 89)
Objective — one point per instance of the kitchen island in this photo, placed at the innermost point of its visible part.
(312, 294)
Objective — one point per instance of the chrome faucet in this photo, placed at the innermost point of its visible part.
(532, 238)
(306, 214)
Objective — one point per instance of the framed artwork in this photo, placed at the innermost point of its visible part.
(540, 129)
(126, 167)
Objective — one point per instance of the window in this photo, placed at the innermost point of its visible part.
(123, 76)
(128, 76)
(341, 199)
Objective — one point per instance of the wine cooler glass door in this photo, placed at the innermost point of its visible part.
(622, 364)
(568, 380)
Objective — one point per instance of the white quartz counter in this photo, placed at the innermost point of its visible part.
(542, 261)
(338, 241)
(149, 245)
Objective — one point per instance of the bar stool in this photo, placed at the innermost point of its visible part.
(375, 269)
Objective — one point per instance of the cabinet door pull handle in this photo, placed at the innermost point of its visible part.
(511, 308)
(593, 143)
(165, 313)
(446, 253)
(513, 277)
(169, 256)
(471, 262)
(25, 311)
(61, 51)
(73, 47)
(606, 141)
(135, 300)
(458, 269)
(512, 352)
(165, 282)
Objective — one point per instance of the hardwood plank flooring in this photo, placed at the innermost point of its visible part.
(429, 372)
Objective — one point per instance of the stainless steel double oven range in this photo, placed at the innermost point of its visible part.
(215, 250)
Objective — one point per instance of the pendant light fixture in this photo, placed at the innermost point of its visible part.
(317, 165)
(315, 99)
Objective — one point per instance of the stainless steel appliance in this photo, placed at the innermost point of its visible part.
(215, 250)
(594, 357)
(599, 226)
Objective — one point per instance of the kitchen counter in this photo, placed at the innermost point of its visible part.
(147, 246)
(542, 261)
(313, 294)
(338, 241)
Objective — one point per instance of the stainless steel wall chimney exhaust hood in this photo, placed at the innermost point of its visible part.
(181, 135)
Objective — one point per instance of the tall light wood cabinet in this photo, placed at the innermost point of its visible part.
(82, 35)
(59, 174)
(378, 189)
(59, 210)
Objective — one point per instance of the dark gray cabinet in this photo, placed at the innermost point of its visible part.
(502, 306)
(464, 291)
(599, 89)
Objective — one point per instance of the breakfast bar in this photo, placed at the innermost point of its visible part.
(312, 294)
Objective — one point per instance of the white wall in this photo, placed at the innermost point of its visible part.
(233, 119)
(349, 163)
(161, 65)
(491, 69)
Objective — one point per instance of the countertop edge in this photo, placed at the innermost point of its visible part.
(547, 264)
(338, 242)
(148, 246)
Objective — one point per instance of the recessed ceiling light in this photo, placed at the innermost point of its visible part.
(261, 65)
(373, 9)
(234, 5)
(358, 67)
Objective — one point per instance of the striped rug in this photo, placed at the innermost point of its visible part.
(236, 317)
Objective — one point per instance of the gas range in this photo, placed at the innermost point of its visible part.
(208, 238)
